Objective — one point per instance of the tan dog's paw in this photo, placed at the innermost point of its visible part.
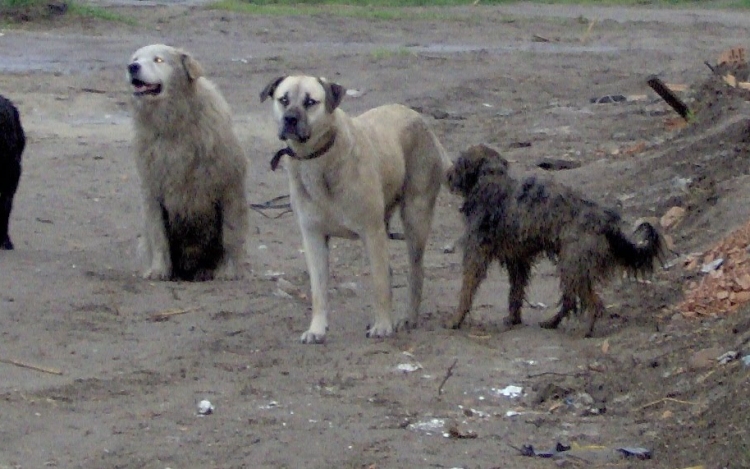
(455, 321)
(228, 271)
(312, 337)
(406, 323)
(157, 273)
(380, 330)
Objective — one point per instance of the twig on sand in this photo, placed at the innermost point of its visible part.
(555, 373)
(274, 204)
(448, 374)
(51, 371)
(165, 315)
(666, 399)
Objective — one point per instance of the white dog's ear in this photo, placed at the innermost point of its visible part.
(192, 68)
(334, 94)
(270, 88)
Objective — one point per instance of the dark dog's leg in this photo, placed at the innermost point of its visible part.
(568, 305)
(518, 272)
(592, 302)
(9, 186)
(475, 263)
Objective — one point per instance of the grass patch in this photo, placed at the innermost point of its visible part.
(383, 53)
(33, 10)
(391, 9)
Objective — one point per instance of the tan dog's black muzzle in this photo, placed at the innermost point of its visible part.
(294, 125)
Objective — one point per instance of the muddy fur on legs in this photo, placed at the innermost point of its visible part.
(515, 222)
(191, 166)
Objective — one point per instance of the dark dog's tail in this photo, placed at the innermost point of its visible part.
(637, 257)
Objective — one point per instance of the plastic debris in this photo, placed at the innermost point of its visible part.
(510, 391)
(408, 367)
(711, 266)
(612, 98)
(635, 452)
(727, 357)
(432, 425)
(528, 450)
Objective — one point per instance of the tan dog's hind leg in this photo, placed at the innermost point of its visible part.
(376, 245)
(234, 230)
(416, 216)
(316, 255)
(156, 244)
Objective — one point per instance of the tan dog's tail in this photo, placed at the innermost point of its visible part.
(446, 161)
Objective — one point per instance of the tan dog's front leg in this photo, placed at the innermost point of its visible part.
(316, 255)
(156, 243)
(376, 245)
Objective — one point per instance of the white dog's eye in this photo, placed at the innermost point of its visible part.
(284, 100)
(158, 60)
(309, 102)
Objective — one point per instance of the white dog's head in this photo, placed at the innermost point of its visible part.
(303, 106)
(153, 70)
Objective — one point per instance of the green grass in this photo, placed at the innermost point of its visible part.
(383, 53)
(30, 10)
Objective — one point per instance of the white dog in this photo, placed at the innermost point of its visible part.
(347, 176)
(192, 169)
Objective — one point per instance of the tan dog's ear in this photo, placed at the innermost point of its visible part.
(334, 94)
(192, 68)
(270, 88)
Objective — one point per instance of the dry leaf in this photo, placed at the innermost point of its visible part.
(605, 346)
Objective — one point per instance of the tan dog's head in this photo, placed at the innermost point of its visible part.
(303, 106)
(155, 70)
(474, 163)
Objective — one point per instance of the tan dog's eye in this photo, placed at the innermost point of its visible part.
(284, 100)
(309, 102)
(158, 60)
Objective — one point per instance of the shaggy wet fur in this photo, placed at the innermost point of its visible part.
(12, 144)
(192, 169)
(516, 222)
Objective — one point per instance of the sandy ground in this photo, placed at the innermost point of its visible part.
(519, 78)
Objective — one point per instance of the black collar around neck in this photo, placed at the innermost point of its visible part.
(288, 151)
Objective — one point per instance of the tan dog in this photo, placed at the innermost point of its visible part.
(347, 176)
(192, 169)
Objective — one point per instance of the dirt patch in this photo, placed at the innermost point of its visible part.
(72, 299)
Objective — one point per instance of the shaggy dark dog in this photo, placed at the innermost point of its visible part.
(12, 143)
(516, 222)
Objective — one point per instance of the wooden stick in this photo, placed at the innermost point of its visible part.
(164, 315)
(448, 374)
(668, 95)
(665, 399)
(51, 371)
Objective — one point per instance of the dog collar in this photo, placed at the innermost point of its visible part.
(288, 151)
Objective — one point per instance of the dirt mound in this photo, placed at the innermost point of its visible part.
(726, 283)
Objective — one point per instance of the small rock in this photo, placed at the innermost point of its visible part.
(672, 217)
(205, 407)
(704, 359)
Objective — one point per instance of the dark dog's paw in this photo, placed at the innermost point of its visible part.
(510, 321)
(550, 323)
(6, 245)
